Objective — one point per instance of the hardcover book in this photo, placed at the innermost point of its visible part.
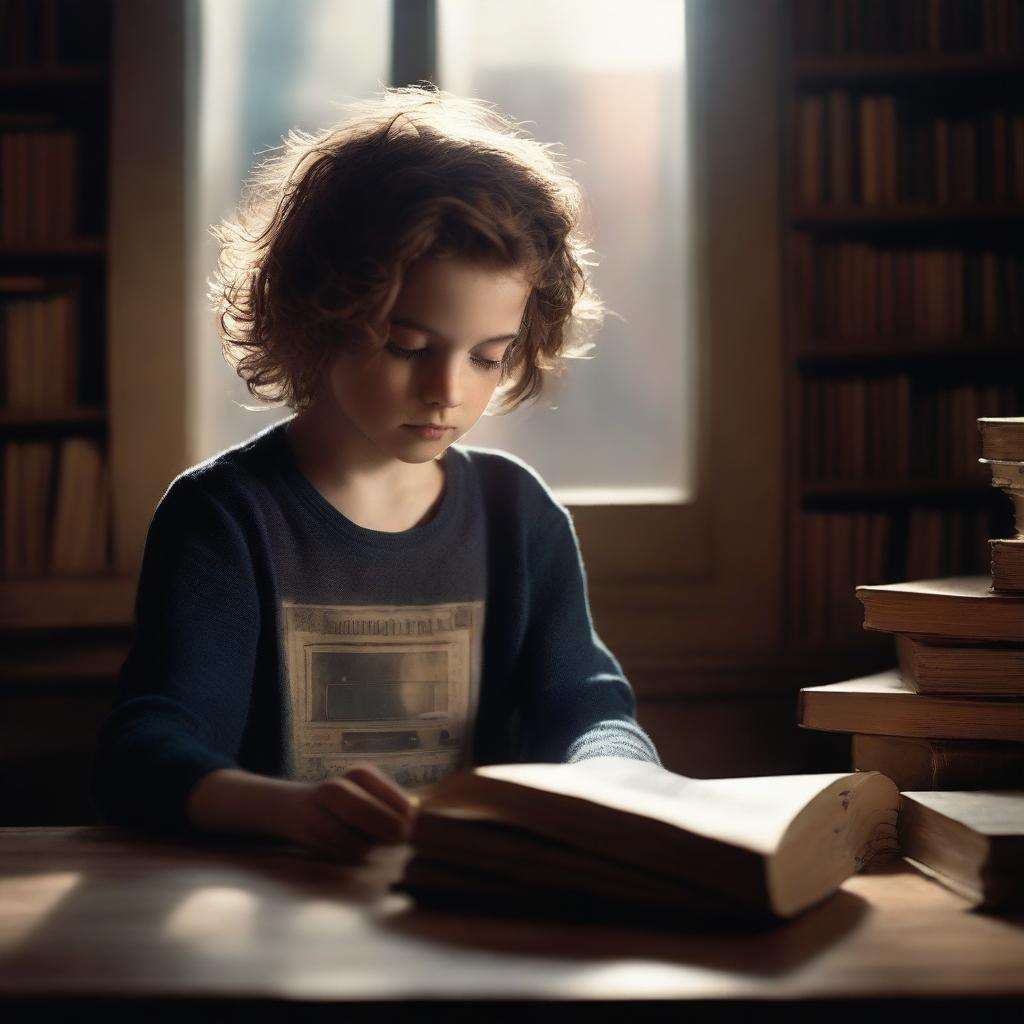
(914, 763)
(1002, 438)
(1007, 564)
(958, 606)
(971, 842)
(946, 666)
(883, 704)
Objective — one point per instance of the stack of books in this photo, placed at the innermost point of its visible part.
(946, 724)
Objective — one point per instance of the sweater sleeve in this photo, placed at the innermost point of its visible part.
(183, 691)
(578, 703)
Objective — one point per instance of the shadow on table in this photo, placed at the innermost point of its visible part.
(107, 863)
(282, 876)
(755, 947)
(762, 948)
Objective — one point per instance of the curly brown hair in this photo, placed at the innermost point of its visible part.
(328, 225)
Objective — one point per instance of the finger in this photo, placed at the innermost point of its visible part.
(383, 787)
(336, 838)
(316, 838)
(347, 799)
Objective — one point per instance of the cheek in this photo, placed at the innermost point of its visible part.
(483, 387)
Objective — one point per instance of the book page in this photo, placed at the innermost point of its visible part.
(752, 813)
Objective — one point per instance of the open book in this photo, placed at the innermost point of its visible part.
(627, 835)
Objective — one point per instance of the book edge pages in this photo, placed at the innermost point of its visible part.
(854, 818)
(974, 896)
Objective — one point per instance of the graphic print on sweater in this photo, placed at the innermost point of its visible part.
(393, 685)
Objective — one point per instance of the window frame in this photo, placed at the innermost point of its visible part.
(664, 581)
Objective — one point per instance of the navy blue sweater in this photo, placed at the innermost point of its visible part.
(274, 634)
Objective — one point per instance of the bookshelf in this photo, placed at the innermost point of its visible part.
(58, 527)
(903, 266)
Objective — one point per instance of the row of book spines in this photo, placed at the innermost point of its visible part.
(923, 764)
(56, 508)
(889, 428)
(838, 551)
(870, 150)
(39, 351)
(39, 186)
(856, 290)
(830, 27)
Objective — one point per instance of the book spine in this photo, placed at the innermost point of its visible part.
(920, 764)
(974, 766)
(906, 762)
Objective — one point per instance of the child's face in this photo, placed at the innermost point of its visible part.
(449, 329)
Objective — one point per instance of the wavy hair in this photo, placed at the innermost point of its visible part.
(315, 255)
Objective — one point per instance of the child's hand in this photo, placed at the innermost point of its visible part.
(346, 816)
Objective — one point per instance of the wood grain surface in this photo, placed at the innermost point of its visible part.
(101, 911)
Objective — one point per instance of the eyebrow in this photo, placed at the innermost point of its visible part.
(406, 322)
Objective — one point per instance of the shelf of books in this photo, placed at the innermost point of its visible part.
(903, 260)
(54, 131)
(946, 723)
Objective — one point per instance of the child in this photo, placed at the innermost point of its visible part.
(310, 645)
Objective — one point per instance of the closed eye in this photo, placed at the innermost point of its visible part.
(413, 353)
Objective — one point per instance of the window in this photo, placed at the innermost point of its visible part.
(616, 429)
(262, 68)
(610, 89)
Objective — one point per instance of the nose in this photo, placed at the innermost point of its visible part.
(441, 380)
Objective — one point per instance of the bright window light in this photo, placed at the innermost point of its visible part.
(610, 91)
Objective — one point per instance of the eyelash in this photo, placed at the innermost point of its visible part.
(412, 353)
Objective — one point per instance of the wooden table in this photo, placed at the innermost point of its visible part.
(97, 912)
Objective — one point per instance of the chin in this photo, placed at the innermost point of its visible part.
(420, 458)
